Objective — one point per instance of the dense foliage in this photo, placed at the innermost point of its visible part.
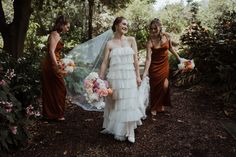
(14, 116)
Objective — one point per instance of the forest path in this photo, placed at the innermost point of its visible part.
(192, 127)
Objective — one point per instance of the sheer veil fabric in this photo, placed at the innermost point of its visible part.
(88, 57)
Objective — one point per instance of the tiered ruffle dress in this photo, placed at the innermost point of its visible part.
(122, 113)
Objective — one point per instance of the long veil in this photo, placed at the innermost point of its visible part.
(87, 57)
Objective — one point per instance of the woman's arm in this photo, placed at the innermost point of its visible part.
(136, 64)
(148, 58)
(53, 40)
(171, 49)
(105, 62)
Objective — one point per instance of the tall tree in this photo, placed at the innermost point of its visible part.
(14, 33)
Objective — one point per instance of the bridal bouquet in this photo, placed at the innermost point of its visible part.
(67, 65)
(96, 89)
(186, 65)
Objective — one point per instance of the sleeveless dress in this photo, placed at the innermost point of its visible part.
(53, 87)
(121, 112)
(158, 72)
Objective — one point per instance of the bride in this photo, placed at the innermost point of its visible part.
(122, 113)
(127, 105)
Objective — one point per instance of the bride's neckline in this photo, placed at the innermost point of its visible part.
(120, 47)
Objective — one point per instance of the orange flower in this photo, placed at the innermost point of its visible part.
(109, 91)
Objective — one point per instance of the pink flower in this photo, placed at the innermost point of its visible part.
(109, 91)
(7, 106)
(29, 110)
(13, 129)
(106, 83)
(103, 93)
(8, 110)
(3, 83)
(88, 84)
(96, 84)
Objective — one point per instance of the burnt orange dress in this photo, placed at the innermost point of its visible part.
(53, 87)
(158, 72)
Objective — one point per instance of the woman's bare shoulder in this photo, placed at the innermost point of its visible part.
(166, 35)
(54, 34)
(130, 38)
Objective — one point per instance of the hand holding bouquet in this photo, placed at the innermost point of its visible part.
(67, 65)
(186, 65)
(96, 89)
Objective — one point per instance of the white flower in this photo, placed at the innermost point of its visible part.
(67, 61)
(92, 76)
(94, 97)
(69, 69)
(181, 66)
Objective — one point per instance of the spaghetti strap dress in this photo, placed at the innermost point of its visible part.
(53, 87)
(158, 73)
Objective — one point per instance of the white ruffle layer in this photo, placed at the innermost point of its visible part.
(121, 74)
(121, 52)
(125, 93)
(123, 104)
(127, 59)
(118, 84)
(122, 67)
(122, 112)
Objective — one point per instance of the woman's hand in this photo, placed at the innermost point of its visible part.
(63, 73)
(139, 81)
(144, 75)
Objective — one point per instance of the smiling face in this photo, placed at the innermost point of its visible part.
(155, 29)
(122, 27)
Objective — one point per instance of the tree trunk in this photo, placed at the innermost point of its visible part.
(14, 34)
(90, 30)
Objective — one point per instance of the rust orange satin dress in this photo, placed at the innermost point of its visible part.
(158, 72)
(53, 87)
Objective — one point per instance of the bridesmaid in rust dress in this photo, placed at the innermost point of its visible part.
(53, 85)
(157, 66)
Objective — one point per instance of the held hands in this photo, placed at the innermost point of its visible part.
(139, 81)
(144, 75)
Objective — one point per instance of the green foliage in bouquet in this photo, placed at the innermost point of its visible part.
(74, 81)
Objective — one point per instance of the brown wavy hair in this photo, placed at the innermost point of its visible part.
(157, 22)
(60, 22)
(117, 21)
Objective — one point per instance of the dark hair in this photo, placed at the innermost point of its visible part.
(117, 21)
(60, 22)
(156, 22)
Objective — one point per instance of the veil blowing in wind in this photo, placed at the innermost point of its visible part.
(87, 57)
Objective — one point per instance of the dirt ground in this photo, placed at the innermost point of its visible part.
(191, 127)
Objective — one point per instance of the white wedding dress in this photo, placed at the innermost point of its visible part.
(122, 111)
